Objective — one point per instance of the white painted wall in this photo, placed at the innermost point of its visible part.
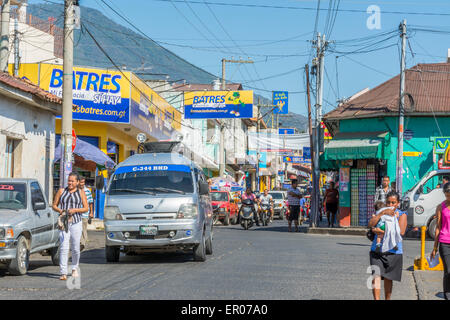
(17, 121)
(34, 45)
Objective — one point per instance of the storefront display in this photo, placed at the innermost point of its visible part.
(363, 186)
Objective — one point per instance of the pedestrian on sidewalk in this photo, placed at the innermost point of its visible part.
(331, 203)
(442, 238)
(383, 190)
(87, 216)
(388, 265)
(70, 201)
(294, 196)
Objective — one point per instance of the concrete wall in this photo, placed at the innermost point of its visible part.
(34, 129)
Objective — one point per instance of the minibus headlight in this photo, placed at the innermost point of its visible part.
(187, 211)
(112, 213)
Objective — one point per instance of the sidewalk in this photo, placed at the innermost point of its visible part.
(322, 228)
(429, 284)
(97, 224)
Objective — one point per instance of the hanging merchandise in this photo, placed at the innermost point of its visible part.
(363, 186)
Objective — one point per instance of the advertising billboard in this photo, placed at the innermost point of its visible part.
(99, 94)
(280, 99)
(103, 95)
(151, 113)
(218, 104)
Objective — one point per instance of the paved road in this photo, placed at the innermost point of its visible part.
(262, 263)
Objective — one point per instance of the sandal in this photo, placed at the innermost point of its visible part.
(75, 273)
(63, 277)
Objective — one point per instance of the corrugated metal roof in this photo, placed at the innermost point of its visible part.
(429, 85)
(29, 87)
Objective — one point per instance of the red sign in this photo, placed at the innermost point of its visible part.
(74, 140)
(6, 187)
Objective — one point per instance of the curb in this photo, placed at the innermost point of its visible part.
(334, 231)
(419, 287)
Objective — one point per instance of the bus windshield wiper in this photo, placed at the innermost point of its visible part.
(165, 190)
(132, 191)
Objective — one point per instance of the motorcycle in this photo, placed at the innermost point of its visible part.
(215, 214)
(246, 213)
(264, 214)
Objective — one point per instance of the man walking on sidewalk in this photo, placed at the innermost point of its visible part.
(383, 190)
(294, 196)
(88, 215)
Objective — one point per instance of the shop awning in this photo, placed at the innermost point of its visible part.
(358, 145)
(88, 153)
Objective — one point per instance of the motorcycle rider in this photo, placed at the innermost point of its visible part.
(266, 199)
(248, 194)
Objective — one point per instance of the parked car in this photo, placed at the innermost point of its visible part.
(226, 206)
(279, 204)
(158, 201)
(27, 224)
(421, 201)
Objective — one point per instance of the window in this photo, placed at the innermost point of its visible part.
(36, 193)
(11, 146)
(13, 196)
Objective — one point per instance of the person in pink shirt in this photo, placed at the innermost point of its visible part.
(442, 238)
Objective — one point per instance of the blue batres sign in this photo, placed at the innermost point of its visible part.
(286, 131)
(280, 99)
(98, 95)
(307, 153)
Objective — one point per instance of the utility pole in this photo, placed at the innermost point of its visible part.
(310, 131)
(16, 46)
(4, 36)
(223, 122)
(66, 120)
(321, 46)
(399, 178)
(257, 145)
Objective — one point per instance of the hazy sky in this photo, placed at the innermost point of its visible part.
(277, 39)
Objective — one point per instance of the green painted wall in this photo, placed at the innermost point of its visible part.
(423, 129)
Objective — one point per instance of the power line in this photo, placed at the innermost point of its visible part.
(304, 8)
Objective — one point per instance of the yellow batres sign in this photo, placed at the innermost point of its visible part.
(412, 154)
(218, 104)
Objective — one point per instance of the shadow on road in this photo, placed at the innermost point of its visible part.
(97, 256)
(353, 244)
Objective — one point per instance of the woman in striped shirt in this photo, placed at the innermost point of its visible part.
(71, 201)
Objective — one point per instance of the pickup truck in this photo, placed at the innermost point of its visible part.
(226, 206)
(27, 225)
(421, 200)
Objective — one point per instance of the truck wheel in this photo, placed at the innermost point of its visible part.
(226, 220)
(112, 253)
(200, 250)
(54, 252)
(19, 265)
(432, 228)
(209, 246)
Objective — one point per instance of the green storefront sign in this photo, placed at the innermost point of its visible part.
(441, 144)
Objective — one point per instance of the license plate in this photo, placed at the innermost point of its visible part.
(148, 230)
